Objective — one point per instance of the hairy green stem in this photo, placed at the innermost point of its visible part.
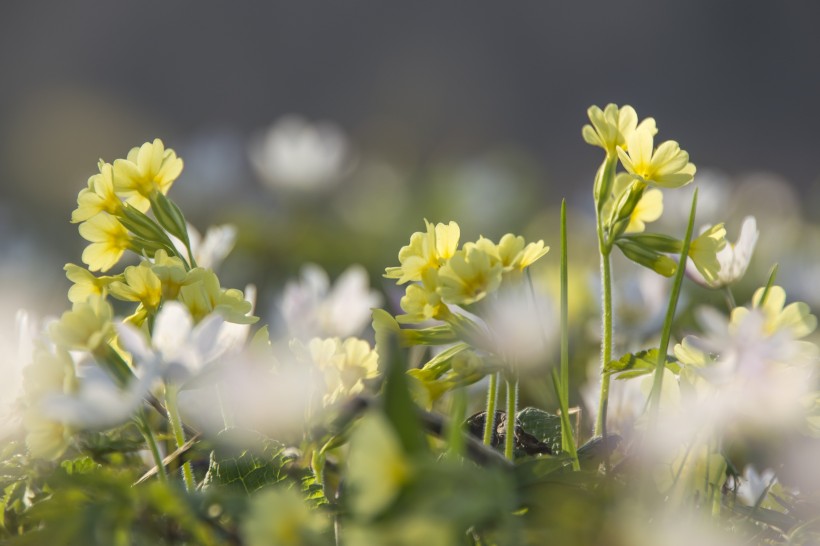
(489, 418)
(606, 340)
(171, 402)
(512, 410)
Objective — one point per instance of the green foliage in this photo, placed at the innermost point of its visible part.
(641, 363)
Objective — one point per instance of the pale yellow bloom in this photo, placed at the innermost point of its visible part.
(469, 276)
(667, 166)
(147, 169)
(704, 249)
(86, 327)
(98, 197)
(171, 272)
(85, 283)
(45, 439)
(201, 293)
(108, 238)
(343, 364)
(612, 126)
(427, 250)
(141, 284)
(422, 302)
(648, 209)
(796, 317)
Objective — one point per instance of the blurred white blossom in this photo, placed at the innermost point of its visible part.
(312, 308)
(178, 348)
(299, 155)
(754, 484)
(210, 251)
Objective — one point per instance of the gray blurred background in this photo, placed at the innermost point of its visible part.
(435, 94)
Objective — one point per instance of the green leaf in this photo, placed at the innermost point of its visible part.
(641, 363)
(243, 468)
(544, 426)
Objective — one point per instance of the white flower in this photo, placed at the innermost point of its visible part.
(734, 258)
(311, 308)
(754, 485)
(178, 349)
(98, 403)
(17, 353)
(299, 155)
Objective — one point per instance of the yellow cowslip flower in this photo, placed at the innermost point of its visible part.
(422, 302)
(667, 166)
(280, 515)
(511, 252)
(147, 169)
(201, 293)
(85, 283)
(377, 467)
(98, 197)
(45, 438)
(171, 272)
(86, 327)
(469, 276)
(427, 250)
(140, 284)
(612, 126)
(795, 317)
(108, 238)
(703, 251)
(343, 364)
(50, 372)
(648, 209)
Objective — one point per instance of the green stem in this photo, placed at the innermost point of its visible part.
(171, 392)
(564, 305)
(455, 437)
(489, 418)
(150, 439)
(512, 410)
(606, 339)
(660, 366)
(730, 298)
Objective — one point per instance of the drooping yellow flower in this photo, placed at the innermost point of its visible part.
(422, 302)
(147, 169)
(612, 126)
(98, 197)
(171, 272)
(86, 327)
(469, 276)
(45, 438)
(85, 283)
(427, 250)
(648, 209)
(201, 293)
(667, 166)
(703, 251)
(108, 238)
(50, 372)
(140, 284)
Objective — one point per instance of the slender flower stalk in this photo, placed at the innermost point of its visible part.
(492, 401)
(171, 402)
(512, 410)
(150, 439)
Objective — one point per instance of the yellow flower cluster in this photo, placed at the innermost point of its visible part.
(344, 364)
(147, 170)
(445, 274)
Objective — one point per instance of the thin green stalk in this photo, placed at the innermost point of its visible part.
(512, 410)
(730, 298)
(458, 411)
(769, 284)
(171, 393)
(489, 418)
(606, 340)
(657, 382)
(150, 439)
